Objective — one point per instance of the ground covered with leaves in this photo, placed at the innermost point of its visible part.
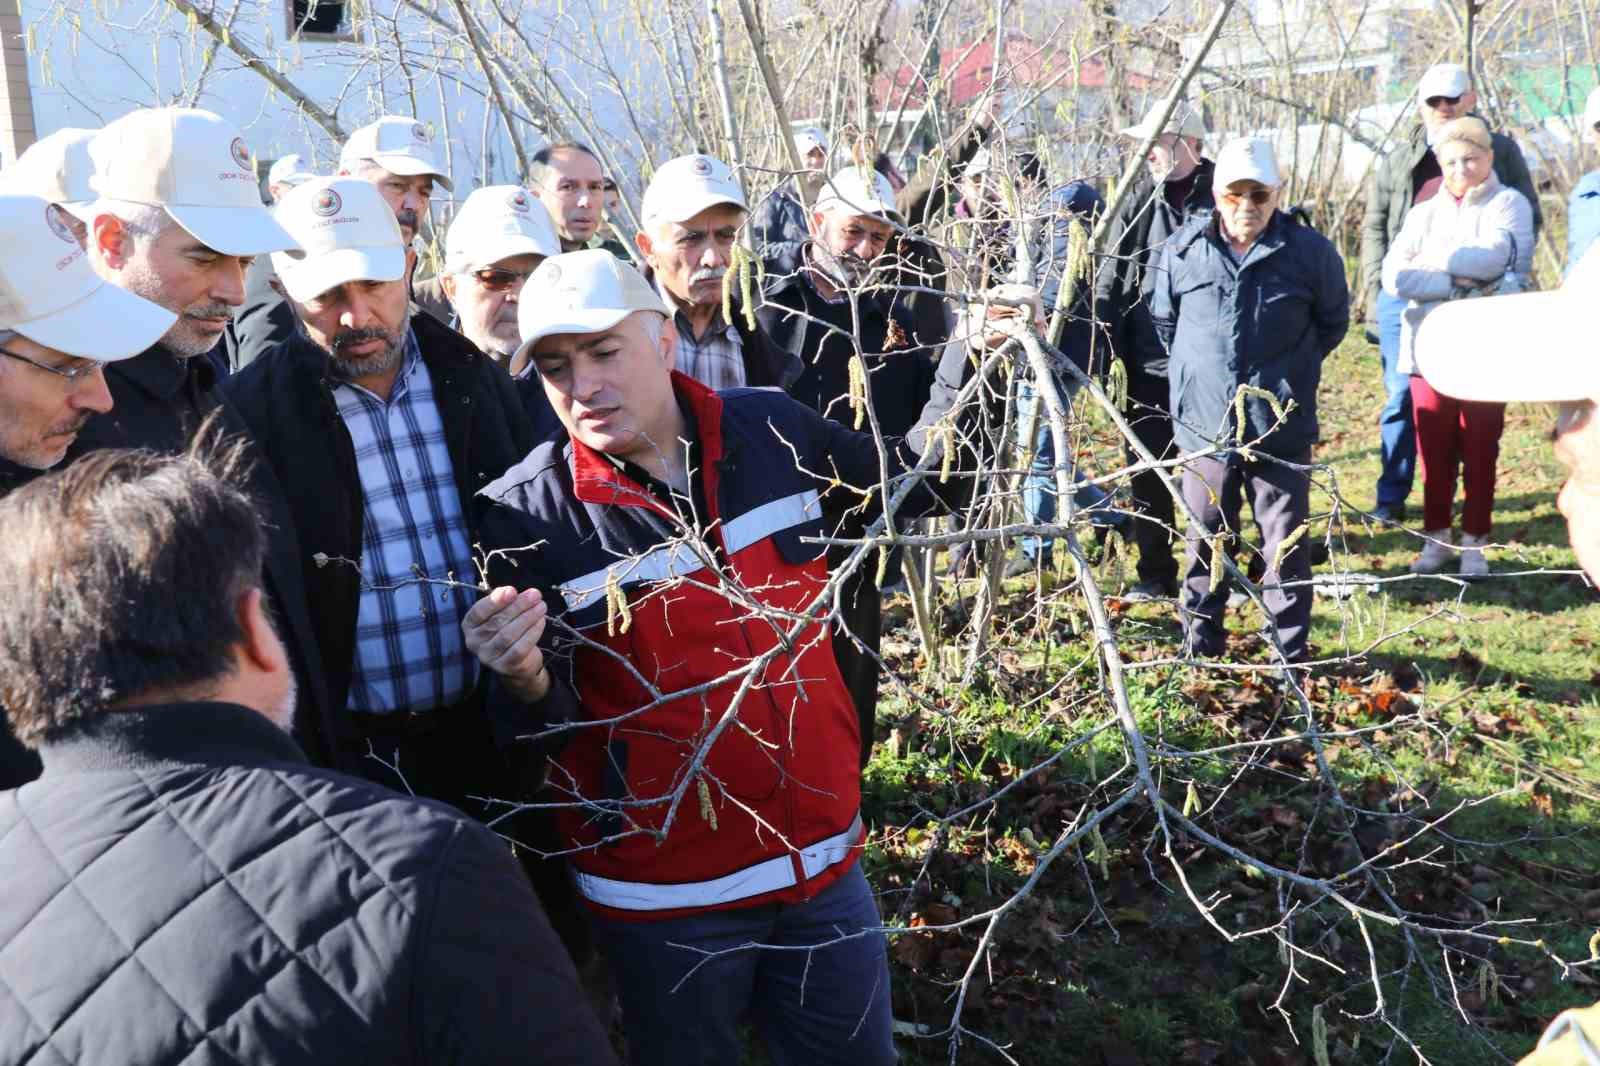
(1460, 731)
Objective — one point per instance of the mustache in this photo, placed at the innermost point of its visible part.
(217, 310)
(707, 274)
(343, 340)
(407, 218)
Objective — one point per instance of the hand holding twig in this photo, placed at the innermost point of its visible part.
(503, 631)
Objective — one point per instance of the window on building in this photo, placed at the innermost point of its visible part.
(321, 20)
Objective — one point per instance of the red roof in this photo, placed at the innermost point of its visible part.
(967, 69)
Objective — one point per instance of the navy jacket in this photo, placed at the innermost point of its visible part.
(180, 886)
(1268, 322)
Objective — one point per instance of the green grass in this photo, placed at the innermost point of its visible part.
(1487, 697)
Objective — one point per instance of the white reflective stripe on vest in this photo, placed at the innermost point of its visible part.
(659, 564)
(769, 518)
(769, 875)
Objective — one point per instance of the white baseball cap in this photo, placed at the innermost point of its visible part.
(346, 231)
(1443, 79)
(808, 139)
(979, 164)
(1591, 110)
(683, 187)
(1529, 347)
(399, 145)
(1246, 159)
(494, 223)
(51, 295)
(194, 164)
(581, 292)
(57, 168)
(290, 170)
(1185, 121)
(859, 189)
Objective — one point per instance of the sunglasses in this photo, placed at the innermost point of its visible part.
(72, 374)
(1435, 101)
(497, 280)
(1255, 196)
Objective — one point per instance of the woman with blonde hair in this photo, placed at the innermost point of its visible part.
(1471, 237)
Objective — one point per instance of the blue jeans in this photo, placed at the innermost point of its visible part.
(828, 1006)
(1039, 486)
(1399, 434)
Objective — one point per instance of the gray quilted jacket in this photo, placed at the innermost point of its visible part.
(181, 887)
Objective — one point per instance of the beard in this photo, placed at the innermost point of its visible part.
(846, 271)
(184, 340)
(379, 362)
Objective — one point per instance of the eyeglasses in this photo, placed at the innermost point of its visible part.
(74, 375)
(1255, 196)
(497, 280)
(1436, 101)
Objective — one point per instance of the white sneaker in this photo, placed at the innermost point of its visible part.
(1473, 564)
(1437, 552)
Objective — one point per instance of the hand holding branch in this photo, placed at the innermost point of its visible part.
(503, 631)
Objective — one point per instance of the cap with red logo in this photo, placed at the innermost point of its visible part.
(681, 188)
(399, 145)
(194, 164)
(56, 167)
(346, 231)
(495, 223)
(50, 294)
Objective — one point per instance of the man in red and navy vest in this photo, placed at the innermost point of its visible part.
(708, 784)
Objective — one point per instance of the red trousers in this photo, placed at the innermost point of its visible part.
(1454, 433)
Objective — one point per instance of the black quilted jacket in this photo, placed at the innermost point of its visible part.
(180, 886)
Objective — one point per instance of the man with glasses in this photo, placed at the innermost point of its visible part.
(1583, 212)
(568, 180)
(53, 350)
(499, 235)
(1248, 298)
(1406, 176)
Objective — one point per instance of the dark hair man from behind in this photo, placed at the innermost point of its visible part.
(289, 914)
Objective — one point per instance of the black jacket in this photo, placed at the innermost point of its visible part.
(264, 321)
(18, 765)
(1268, 323)
(181, 886)
(287, 402)
(900, 372)
(158, 403)
(1126, 276)
(766, 366)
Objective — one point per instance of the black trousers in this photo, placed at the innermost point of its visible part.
(1149, 416)
(861, 611)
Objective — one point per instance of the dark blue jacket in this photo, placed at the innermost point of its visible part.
(1268, 322)
(180, 886)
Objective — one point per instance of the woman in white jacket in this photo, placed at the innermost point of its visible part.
(1471, 237)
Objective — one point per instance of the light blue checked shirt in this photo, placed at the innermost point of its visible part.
(410, 655)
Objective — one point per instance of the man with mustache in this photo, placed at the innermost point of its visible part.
(53, 352)
(178, 222)
(691, 215)
(397, 155)
(381, 424)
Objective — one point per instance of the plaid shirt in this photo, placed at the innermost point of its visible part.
(717, 359)
(410, 655)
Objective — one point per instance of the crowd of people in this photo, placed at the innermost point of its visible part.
(410, 663)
